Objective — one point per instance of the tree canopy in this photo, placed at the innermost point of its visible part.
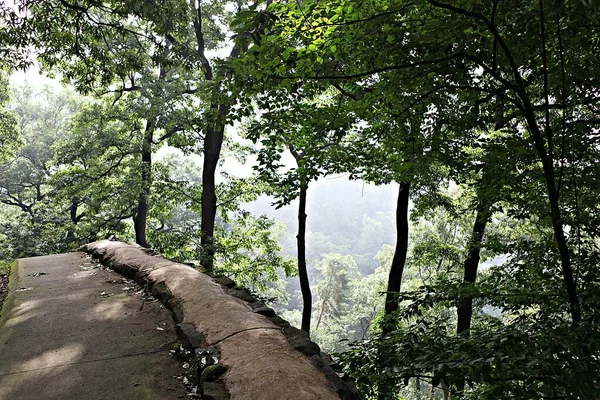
(484, 115)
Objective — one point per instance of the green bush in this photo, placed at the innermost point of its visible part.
(5, 266)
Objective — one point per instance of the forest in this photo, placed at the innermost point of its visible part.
(414, 183)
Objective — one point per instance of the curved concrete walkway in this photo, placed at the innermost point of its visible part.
(72, 331)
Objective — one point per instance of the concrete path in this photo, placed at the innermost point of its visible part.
(74, 331)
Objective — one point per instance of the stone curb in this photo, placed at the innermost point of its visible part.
(114, 255)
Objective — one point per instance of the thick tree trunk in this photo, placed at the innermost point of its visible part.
(302, 272)
(399, 260)
(471, 265)
(213, 141)
(140, 218)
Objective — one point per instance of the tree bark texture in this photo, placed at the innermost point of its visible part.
(464, 312)
(555, 213)
(399, 260)
(302, 272)
(140, 218)
(471, 265)
(213, 141)
(397, 269)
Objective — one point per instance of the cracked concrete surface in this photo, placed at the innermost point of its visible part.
(72, 331)
(261, 364)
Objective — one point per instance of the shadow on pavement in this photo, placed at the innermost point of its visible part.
(76, 331)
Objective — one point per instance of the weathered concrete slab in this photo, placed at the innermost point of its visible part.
(123, 378)
(256, 350)
(73, 332)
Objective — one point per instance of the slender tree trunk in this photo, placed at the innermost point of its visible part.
(302, 272)
(464, 312)
(545, 149)
(140, 217)
(213, 141)
(397, 269)
(399, 260)
(555, 213)
(301, 244)
(471, 265)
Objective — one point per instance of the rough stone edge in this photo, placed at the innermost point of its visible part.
(297, 338)
(13, 277)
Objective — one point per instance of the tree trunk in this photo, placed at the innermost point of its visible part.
(302, 272)
(464, 312)
(301, 244)
(471, 264)
(397, 269)
(555, 213)
(399, 260)
(141, 215)
(213, 140)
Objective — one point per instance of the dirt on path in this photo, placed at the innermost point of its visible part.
(3, 288)
(73, 330)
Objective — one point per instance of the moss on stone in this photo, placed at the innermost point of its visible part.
(10, 298)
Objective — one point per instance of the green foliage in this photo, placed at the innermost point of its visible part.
(248, 251)
(501, 360)
(5, 266)
(246, 248)
(487, 95)
(24, 180)
(488, 109)
(10, 140)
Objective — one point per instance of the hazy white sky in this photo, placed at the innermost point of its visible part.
(33, 78)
